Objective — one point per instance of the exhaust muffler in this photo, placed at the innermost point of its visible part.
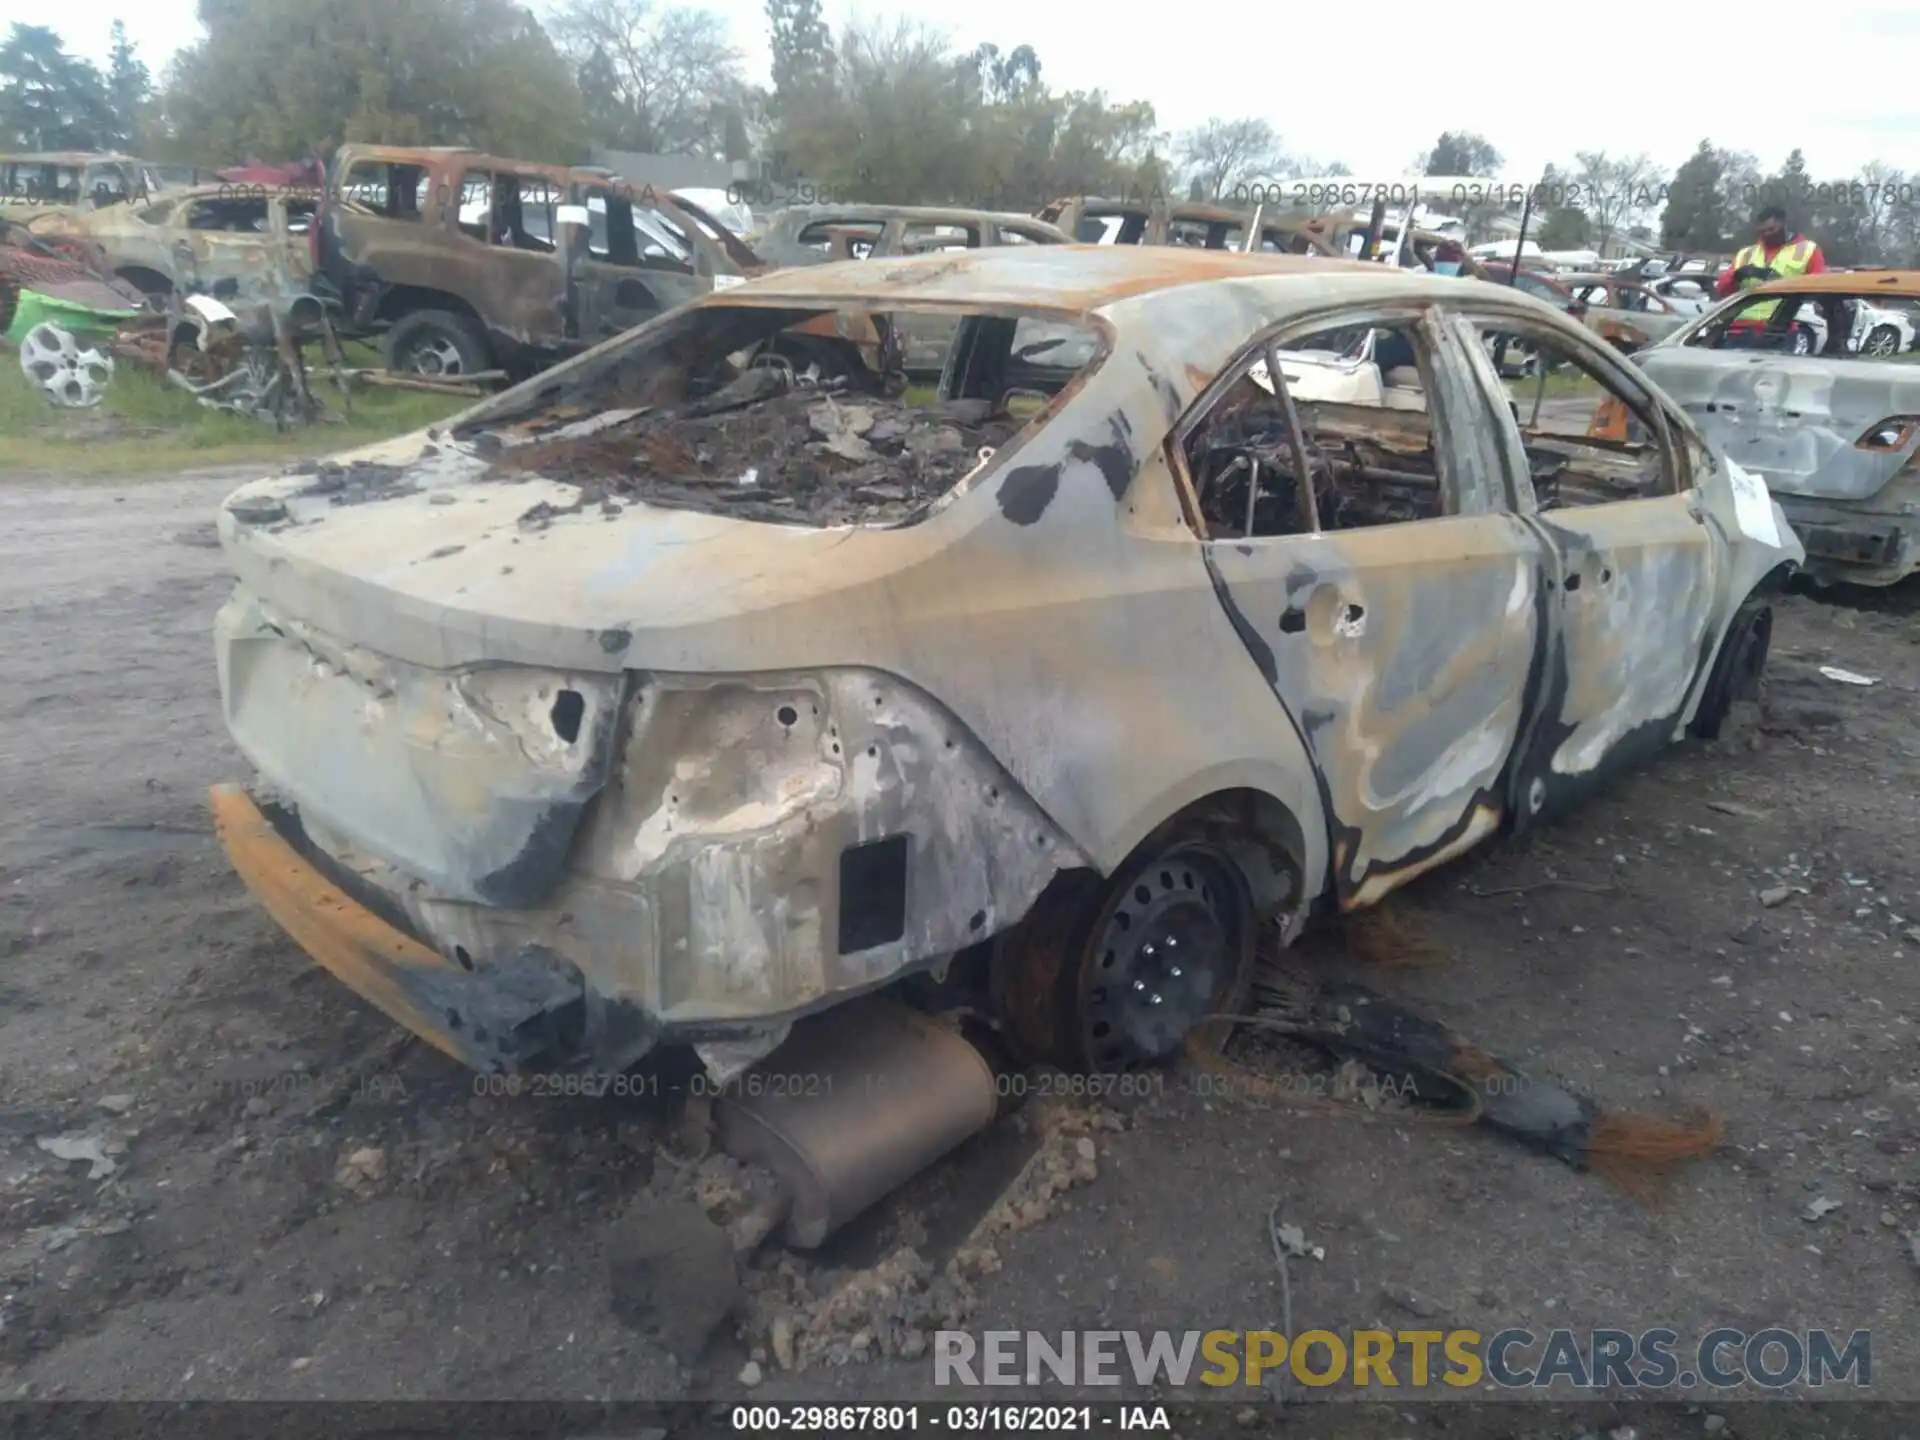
(856, 1102)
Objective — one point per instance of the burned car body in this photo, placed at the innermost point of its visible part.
(823, 234)
(464, 261)
(820, 234)
(677, 695)
(236, 242)
(1623, 311)
(1824, 403)
(81, 181)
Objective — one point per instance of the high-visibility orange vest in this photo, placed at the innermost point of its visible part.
(1789, 261)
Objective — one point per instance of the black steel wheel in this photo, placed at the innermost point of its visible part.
(1106, 978)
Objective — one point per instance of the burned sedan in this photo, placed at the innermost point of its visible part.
(684, 690)
(1808, 383)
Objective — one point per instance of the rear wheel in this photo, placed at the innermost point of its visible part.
(436, 343)
(1106, 977)
(1882, 340)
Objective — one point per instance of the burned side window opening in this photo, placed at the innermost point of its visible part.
(1363, 433)
(1825, 326)
(398, 192)
(1584, 439)
(246, 216)
(790, 416)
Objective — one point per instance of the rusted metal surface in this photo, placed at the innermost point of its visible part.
(549, 261)
(728, 772)
(1623, 311)
(1189, 224)
(60, 277)
(1836, 435)
(819, 234)
(238, 243)
(77, 181)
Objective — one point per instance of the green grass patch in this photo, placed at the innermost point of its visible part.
(145, 425)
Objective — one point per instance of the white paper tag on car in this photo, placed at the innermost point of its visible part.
(727, 282)
(571, 215)
(1753, 506)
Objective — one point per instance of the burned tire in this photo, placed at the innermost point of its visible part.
(436, 343)
(1736, 690)
(1107, 977)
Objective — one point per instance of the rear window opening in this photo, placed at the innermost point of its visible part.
(794, 417)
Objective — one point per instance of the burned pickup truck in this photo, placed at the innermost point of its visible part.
(684, 692)
(465, 262)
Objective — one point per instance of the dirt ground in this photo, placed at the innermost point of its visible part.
(240, 1249)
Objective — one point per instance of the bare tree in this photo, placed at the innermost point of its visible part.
(676, 74)
(1224, 153)
(1616, 192)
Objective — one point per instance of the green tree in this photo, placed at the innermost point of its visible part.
(675, 71)
(50, 100)
(904, 117)
(288, 78)
(129, 89)
(1224, 153)
(1461, 152)
(1006, 79)
(1789, 187)
(802, 52)
(1695, 217)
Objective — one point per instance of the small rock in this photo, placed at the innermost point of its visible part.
(363, 1169)
(440, 498)
(1913, 1246)
(750, 1374)
(1408, 1301)
(1776, 895)
(1819, 1209)
(79, 1147)
(1085, 1147)
(1246, 1417)
(1714, 1424)
(1887, 1219)
(115, 1104)
(303, 1362)
(782, 1341)
(1912, 932)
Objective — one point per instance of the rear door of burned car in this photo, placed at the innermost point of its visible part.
(1631, 601)
(640, 257)
(1391, 605)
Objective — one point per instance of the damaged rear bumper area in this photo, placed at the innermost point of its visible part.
(1850, 544)
(528, 867)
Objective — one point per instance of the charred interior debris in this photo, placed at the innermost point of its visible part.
(787, 418)
(803, 456)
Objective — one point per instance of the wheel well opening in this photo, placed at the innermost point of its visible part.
(402, 300)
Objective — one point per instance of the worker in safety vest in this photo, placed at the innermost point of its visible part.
(1775, 255)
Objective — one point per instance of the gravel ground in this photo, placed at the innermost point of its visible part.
(304, 1205)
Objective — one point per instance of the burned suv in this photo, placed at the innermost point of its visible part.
(466, 262)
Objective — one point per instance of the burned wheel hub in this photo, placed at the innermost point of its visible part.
(1107, 976)
(433, 355)
(1160, 963)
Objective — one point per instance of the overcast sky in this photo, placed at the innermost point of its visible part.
(1345, 82)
